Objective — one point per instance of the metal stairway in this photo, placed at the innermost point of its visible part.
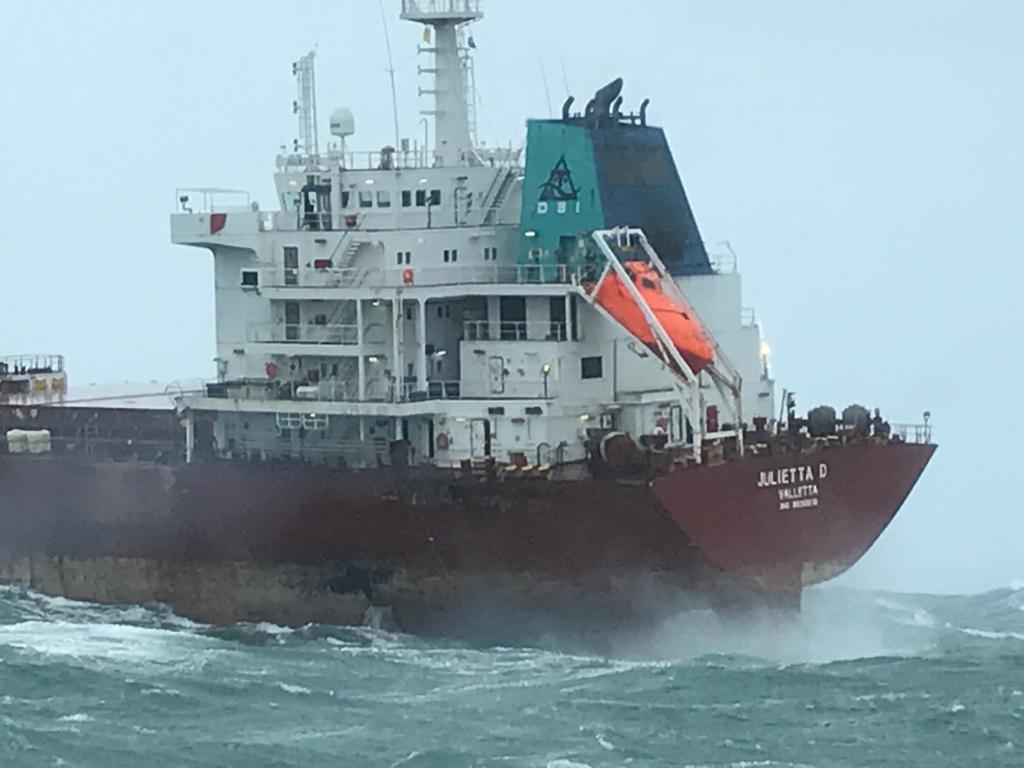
(508, 179)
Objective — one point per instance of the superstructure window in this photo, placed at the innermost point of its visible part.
(365, 199)
(406, 198)
(591, 367)
(451, 255)
(403, 257)
(435, 197)
(383, 198)
(421, 198)
(250, 278)
(346, 197)
(491, 253)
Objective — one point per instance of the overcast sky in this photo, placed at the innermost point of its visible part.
(865, 159)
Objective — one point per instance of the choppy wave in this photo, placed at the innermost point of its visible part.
(861, 678)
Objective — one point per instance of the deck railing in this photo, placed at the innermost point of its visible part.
(304, 333)
(913, 433)
(515, 330)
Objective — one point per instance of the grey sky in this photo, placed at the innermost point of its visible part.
(866, 161)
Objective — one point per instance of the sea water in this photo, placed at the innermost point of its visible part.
(859, 679)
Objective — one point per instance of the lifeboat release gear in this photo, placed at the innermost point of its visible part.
(678, 320)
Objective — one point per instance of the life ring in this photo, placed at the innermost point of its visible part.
(407, 276)
(271, 369)
(442, 442)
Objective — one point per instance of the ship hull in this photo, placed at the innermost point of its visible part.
(444, 552)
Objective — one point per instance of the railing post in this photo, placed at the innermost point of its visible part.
(361, 360)
(421, 344)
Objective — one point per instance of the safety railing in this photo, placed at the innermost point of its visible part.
(515, 330)
(351, 453)
(211, 200)
(21, 365)
(409, 277)
(722, 257)
(913, 433)
(311, 277)
(304, 333)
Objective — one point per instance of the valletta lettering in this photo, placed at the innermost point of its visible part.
(797, 487)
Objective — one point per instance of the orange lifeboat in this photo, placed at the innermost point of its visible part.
(680, 324)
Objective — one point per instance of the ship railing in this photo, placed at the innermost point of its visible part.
(332, 277)
(25, 365)
(505, 386)
(515, 330)
(211, 200)
(113, 447)
(351, 453)
(722, 257)
(920, 434)
(425, 9)
(409, 277)
(304, 333)
(415, 158)
(477, 273)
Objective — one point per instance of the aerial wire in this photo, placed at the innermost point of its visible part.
(391, 71)
(547, 91)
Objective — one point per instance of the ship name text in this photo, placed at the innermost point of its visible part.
(797, 487)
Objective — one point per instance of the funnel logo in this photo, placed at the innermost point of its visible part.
(559, 186)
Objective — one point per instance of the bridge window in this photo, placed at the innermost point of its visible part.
(591, 367)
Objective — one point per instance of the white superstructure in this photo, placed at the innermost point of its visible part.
(382, 301)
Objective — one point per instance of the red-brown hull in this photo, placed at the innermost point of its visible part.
(432, 543)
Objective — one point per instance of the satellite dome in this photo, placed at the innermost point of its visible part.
(343, 122)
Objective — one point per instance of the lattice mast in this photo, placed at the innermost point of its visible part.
(304, 106)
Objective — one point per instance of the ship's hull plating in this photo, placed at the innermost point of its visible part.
(294, 544)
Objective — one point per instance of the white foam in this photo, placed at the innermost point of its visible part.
(298, 690)
(603, 741)
(77, 717)
(989, 634)
(273, 629)
(116, 642)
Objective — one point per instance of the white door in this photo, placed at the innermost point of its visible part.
(496, 366)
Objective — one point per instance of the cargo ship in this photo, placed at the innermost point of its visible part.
(458, 388)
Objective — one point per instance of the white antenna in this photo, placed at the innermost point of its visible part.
(547, 91)
(391, 73)
(304, 105)
(565, 78)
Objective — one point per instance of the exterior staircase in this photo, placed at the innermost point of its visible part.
(508, 178)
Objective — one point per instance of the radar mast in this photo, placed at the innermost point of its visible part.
(452, 71)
